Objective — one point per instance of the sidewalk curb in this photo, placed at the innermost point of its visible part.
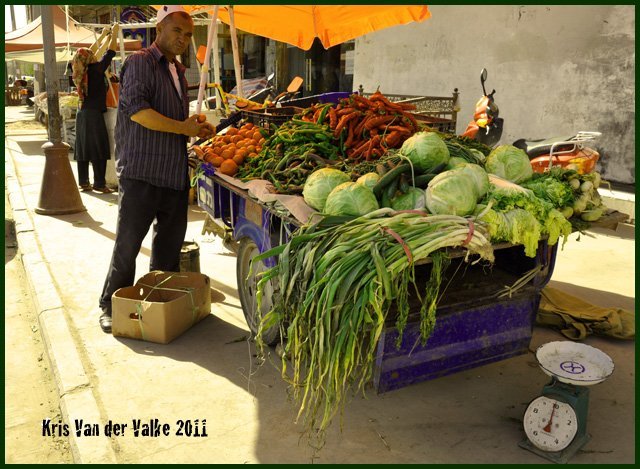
(74, 388)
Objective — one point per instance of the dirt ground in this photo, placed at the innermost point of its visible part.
(24, 125)
(26, 363)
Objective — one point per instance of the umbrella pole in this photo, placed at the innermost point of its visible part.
(204, 71)
(236, 55)
(216, 60)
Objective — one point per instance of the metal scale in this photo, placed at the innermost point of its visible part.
(556, 421)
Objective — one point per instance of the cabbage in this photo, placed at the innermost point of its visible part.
(319, 184)
(413, 199)
(451, 192)
(551, 221)
(546, 187)
(478, 176)
(516, 226)
(369, 180)
(351, 198)
(478, 154)
(510, 163)
(425, 150)
(455, 161)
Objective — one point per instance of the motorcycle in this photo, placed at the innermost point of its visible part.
(571, 152)
(486, 127)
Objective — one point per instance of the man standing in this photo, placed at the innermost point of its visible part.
(151, 133)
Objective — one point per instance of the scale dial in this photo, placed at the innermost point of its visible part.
(551, 425)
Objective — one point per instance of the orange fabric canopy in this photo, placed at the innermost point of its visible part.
(29, 37)
(299, 25)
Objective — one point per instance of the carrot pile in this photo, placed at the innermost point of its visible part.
(365, 127)
(229, 151)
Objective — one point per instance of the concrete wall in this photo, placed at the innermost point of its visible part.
(556, 70)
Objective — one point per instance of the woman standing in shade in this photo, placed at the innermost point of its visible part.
(92, 139)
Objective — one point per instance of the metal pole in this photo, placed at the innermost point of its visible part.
(13, 18)
(59, 193)
(49, 49)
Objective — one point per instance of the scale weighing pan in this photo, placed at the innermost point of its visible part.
(574, 363)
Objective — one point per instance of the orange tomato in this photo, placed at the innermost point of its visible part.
(226, 154)
(231, 131)
(256, 136)
(217, 161)
(261, 142)
(242, 152)
(217, 149)
(236, 138)
(227, 139)
(252, 155)
(229, 167)
(238, 159)
(251, 148)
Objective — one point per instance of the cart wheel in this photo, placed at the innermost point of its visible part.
(248, 289)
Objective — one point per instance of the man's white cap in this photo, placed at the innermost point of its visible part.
(166, 10)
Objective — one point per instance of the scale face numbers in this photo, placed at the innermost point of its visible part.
(551, 425)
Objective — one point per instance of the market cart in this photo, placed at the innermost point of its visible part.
(479, 321)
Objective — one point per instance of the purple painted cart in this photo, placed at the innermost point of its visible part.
(476, 323)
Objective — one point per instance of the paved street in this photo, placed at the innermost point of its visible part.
(210, 372)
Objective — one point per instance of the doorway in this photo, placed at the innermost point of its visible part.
(323, 70)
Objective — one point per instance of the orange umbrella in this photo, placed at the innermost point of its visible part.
(299, 25)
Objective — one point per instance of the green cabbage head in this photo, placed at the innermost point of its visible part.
(351, 198)
(455, 161)
(369, 180)
(320, 184)
(413, 199)
(451, 192)
(509, 163)
(478, 176)
(425, 150)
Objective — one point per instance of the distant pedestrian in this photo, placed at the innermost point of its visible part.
(92, 140)
(151, 133)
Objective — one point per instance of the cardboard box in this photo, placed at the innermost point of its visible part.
(161, 306)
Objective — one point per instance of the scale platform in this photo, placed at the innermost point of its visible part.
(574, 363)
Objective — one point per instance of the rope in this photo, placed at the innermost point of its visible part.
(188, 290)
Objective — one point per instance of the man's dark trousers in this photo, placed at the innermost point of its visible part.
(139, 204)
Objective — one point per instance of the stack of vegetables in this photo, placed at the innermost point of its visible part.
(338, 281)
(338, 278)
(228, 152)
(365, 128)
(291, 154)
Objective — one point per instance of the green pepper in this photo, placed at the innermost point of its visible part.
(323, 113)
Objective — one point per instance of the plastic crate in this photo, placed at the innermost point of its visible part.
(309, 101)
(276, 116)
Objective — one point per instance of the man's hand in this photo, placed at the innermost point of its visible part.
(193, 128)
(207, 131)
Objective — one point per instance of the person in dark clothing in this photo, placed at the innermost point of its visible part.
(69, 73)
(151, 133)
(92, 139)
